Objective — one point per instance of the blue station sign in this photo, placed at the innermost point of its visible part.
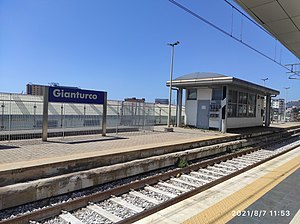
(75, 95)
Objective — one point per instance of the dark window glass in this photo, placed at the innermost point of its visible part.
(241, 104)
(232, 103)
(232, 110)
(252, 105)
(192, 94)
(252, 99)
(251, 110)
(243, 97)
(232, 98)
(217, 94)
(242, 110)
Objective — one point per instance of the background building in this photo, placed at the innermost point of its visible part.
(135, 100)
(295, 114)
(37, 89)
(278, 108)
(161, 101)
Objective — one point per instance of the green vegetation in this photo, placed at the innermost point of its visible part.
(181, 163)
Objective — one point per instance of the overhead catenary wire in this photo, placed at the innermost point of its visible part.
(256, 24)
(247, 17)
(241, 36)
(228, 34)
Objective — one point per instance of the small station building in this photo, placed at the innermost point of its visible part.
(215, 101)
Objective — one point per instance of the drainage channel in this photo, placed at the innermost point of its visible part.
(137, 200)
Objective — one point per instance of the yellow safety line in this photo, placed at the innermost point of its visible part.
(223, 211)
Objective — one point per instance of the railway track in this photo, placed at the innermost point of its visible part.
(133, 201)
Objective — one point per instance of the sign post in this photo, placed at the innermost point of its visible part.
(72, 95)
(45, 114)
(104, 113)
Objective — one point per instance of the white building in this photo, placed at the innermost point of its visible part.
(278, 105)
(220, 102)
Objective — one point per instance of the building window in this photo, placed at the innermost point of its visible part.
(251, 105)
(232, 103)
(217, 94)
(241, 104)
(192, 94)
(243, 97)
(242, 110)
(232, 110)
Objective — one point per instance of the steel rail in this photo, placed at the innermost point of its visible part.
(55, 210)
(191, 193)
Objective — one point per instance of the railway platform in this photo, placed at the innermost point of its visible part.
(33, 170)
(268, 193)
(22, 153)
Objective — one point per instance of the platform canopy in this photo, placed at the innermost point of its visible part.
(207, 79)
(279, 17)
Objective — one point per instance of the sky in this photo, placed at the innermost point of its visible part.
(121, 46)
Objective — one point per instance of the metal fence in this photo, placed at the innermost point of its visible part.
(21, 117)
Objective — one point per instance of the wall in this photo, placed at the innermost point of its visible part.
(191, 112)
(239, 122)
(204, 94)
(191, 105)
(215, 123)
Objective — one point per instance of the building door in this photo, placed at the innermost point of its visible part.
(203, 114)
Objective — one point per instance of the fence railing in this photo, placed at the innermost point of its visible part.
(21, 117)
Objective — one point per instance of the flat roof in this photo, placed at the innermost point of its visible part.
(208, 79)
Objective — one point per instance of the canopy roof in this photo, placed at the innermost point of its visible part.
(280, 17)
(208, 79)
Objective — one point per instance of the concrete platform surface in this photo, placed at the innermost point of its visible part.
(279, 205)
(22, 153)
(284, 124)
(271, 189)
